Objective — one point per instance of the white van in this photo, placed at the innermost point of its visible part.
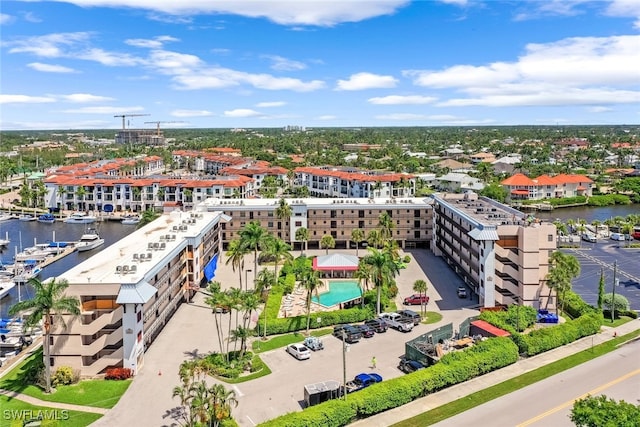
(617, 236)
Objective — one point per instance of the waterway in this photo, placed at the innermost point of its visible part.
(24, 234)
(589, 213)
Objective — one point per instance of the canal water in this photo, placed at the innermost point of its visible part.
(589, 213)
(25, 234)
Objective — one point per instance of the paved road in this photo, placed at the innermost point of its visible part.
(549, 402)
(191, 331)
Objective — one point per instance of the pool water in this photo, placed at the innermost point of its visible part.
(339, 291)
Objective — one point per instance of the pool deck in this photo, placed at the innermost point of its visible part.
(293, 304)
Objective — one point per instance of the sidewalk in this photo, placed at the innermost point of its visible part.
(459, 391)
(49, 404)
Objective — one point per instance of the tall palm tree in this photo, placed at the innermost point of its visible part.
(327, 241)
(375, 239)
(222, 400)
(386, 226)
(310, 281)
(81, 192)
(266, 279)
(302, 234)
(235, 256)
(363, 273)
(216, 300)
(383, 270)
(563, 269)
(252, 237)
(48, 305)
(357, 236)
(283, 211)
(148, 216)
(279, 250)
(235, 297)
(420, 286)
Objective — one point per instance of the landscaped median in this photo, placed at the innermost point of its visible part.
(453, 368)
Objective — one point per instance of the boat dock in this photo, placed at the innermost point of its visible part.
(51, 259)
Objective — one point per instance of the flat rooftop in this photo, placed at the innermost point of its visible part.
(310, 202)
(141, 250)
(483, 210)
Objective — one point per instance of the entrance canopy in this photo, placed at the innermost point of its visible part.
(336, 262)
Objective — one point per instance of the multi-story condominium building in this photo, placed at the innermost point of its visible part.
(139, 194)
(140, 137)
(329, 181)
(258, 171)
(209, 163)
(131, 289)
(501, 254)
(521, 187)
(134, 167)
(411, 217)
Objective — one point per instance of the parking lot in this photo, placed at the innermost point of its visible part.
(601, 256)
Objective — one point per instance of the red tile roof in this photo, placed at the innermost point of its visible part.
(518, 179)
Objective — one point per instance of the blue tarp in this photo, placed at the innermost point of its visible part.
(210, 268)
(58, 244)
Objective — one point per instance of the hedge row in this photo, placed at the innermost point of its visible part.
(541, 340)
(574, 305)
(454, 368)
(327, 318)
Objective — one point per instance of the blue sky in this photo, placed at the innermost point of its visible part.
(224, 64)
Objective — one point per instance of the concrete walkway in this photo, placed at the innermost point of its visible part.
(459, 391)
(49, 404)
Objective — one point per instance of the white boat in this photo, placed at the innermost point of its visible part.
(80, 218)
(27, 217)
(25, 270)
(6, 284)
(46, 218)
(5, 242)
(88, 241)
(130, 220)
(6, 217)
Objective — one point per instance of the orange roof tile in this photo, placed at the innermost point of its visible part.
(518, 179)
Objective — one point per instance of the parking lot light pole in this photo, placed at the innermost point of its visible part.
(344, 366)
(613, 292)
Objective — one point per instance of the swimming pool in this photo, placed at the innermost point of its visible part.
(339, 291)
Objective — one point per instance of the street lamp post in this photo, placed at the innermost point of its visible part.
(344, 366)
(246, 280)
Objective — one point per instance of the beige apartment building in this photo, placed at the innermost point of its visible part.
(500, 253)
(130, 290)
(337, 217)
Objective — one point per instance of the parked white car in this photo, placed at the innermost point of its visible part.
(299, 351)
(617, 236)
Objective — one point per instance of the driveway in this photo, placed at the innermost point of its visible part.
(191, 331)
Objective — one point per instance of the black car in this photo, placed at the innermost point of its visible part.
(350, 333)
(378, 325)
(365, 330)
(408, 366)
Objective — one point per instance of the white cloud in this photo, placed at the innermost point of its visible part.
(85, 98)
(191, 113)
(30, 17)
(573, 71)
(598, 109)
(173, 63)
(242, 112)
(283, 64)
(48, 46)
(81, 124)
(402, 100)
(361, 81)
(25, 99)
(270, 104)
(155, 43)
(104, 110)
(442, 119)
(284, 12)
(327, 117)
(5, 19)
(110, 59)
(50, 68)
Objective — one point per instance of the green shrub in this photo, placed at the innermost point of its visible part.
(574, 306)
(65, 375)
(547, 338)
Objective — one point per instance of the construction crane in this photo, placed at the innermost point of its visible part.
(129, 115)
(158, 125)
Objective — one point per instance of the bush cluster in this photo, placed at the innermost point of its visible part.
(545, 339)
(454, 368)
(65, 375)
(609, 199)
(327, 318)
(574, 305)
(512, 319)
(118, 374)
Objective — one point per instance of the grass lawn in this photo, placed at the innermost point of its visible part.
(468, 402)
(431, 317)
(617, 322)
(261, 372)
(98, 393)
(259, 346)
(15, 411)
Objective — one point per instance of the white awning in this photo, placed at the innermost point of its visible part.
(136, 293)
(484, 234)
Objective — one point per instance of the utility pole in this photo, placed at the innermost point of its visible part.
(344, 366)
(613, 294)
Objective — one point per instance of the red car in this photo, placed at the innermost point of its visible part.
(416, 299)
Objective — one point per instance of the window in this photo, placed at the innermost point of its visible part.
(550, 237)
(139, 336)
(298, 223)
(139, 315)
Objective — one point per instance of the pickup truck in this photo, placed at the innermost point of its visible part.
(362, 381)
(397, 321)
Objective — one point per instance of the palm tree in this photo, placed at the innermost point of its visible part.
(279, 250)
(241, 333)
(357, 236)
(310, 281)
(148, 216)
(216, 300)
(383, 270)
(48, 305)
(235, 255)
(363, 273)
(327, 241)
(563, 269)
(234, 302)
(222, 400)
(375, 239)
(61, 190)
(252, 237)
(81, 192)
(302, 234)
(283, 211)
(266, 279)
(386, 226)
(420, 286)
